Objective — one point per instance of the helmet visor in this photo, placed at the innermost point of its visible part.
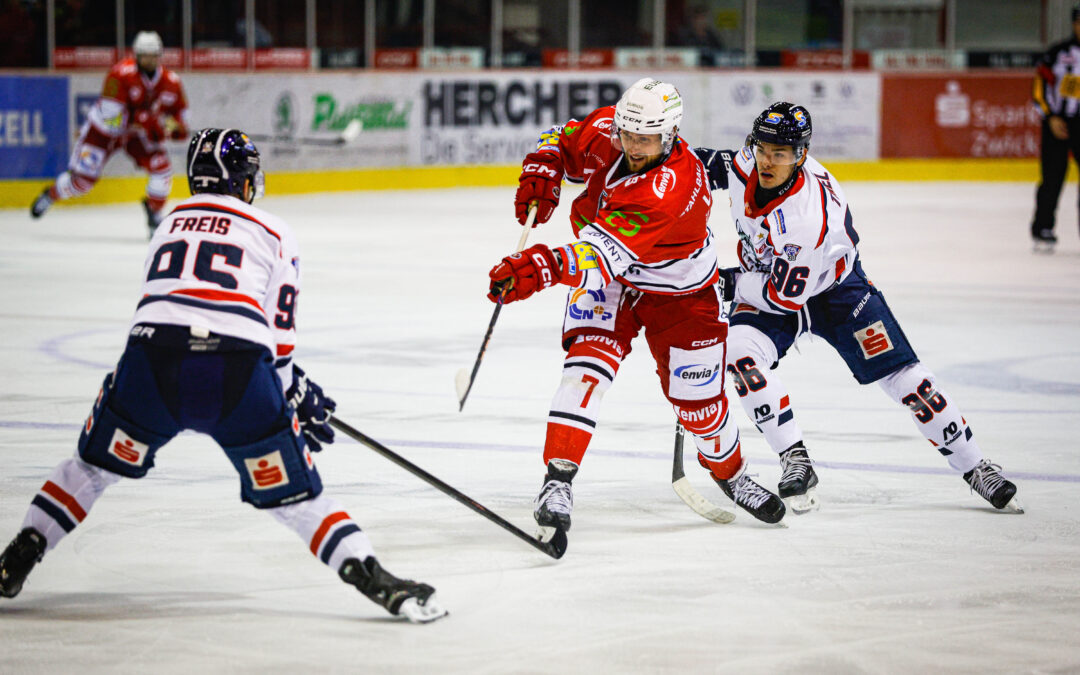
(777, 155)
(260, 185)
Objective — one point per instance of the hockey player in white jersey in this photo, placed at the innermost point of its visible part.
(210, 349)
(800, 273)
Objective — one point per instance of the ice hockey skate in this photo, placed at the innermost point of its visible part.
(41, 204)
(986, 479)
(751, 497)
(20, 556)
(555, 502)
(798, 480)
(153, 219)
(1043, 241)
(401, 597)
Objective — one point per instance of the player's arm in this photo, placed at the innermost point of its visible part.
(541, 178)
(175, 111)
(1044, 81)
(280, 308)
(109, 114)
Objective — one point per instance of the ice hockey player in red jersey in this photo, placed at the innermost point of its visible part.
(210, 349)
(141, 105)
(800, 273)
(643, 260)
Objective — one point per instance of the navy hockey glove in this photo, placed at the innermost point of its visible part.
(716, 165)
(728, 277)
(540, 182)
(313, 407)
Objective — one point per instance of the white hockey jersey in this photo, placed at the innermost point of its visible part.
(218, 264)
(794, 247)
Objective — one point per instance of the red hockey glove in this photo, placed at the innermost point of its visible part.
(520, 275)
(540, 182)
(150, 124)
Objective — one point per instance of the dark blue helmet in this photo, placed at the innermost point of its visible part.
(224, 161)
(783, 123)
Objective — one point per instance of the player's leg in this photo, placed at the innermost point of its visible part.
(155, 161)
(687, 337)
(597, 331)
(876, 350)
(278, 475)
(756, 343)
(1053, 161)
(125, 428)
(84, 168)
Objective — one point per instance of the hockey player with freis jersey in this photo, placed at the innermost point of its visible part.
(210, 349)
(800, 273)
(642, 260)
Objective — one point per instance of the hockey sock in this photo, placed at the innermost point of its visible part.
(331, 535)
(718, 446)
(936, 415)
(588, 371)
(65, 498)
(70, 185)
(762, 394)
(157, 190)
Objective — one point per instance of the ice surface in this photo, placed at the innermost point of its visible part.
(902, 570)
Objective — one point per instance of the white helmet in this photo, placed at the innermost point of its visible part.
(147, 42)
(650, 106)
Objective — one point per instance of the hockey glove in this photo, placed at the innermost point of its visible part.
(520, 275)
(540, 182)
(176, 129)
(313, 407)
(729, 276)
(716, 165)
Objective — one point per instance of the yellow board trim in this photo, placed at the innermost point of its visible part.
(19, 193)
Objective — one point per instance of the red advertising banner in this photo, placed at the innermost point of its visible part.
(214, 58)
(959, 115)
(822, 59)
(397, 58)
(84, 57)
(587, 58)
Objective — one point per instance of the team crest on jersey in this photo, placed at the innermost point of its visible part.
(267, 472)
(588, 305)
(791, 251)
(127, 449)
(874, 340)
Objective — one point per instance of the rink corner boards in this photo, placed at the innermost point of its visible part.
(109, 190)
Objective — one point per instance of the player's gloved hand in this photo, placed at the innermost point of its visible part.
(177, 130)
(715, 162)
(728, 277)
(520, 275)
(540, 182)
(313, 408)
(150, 124)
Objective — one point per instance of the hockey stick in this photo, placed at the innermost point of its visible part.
(463, 381)
(347, 135)
(701, 506)
(554, 548)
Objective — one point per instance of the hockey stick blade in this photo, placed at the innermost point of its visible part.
(691, 497)
(554, 548)
(463, 381)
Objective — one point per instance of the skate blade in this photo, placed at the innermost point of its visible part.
(804, 503)
(1014, 506)
(1042, 248)
(544, 534)
(415, 612)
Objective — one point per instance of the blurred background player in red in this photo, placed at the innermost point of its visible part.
(643, 261)
(142, 104)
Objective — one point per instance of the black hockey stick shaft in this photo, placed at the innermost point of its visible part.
(463, 390)
(554, 548)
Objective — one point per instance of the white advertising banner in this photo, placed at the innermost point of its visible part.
(490, 117)
(845, 109)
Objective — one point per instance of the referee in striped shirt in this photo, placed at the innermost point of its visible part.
(1057, 93)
